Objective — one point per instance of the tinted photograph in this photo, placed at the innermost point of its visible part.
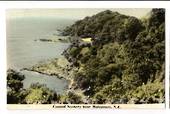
(85, 56)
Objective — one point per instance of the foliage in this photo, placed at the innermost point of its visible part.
(14, 80)
(126, 58)
(37, 93)
(71, 98)
(15, 90)
(149, 93)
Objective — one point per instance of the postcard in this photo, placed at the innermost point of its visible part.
(85, 58)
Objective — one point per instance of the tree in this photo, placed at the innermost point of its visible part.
(15, 92)
(36, 93)
(71, 98)
(40, 94)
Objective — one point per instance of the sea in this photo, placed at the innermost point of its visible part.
(24, 51)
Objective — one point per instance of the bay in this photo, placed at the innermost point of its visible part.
(23, 51)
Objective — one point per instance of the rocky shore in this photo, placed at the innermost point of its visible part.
(58, 67)
(54, 40)
(55, 67)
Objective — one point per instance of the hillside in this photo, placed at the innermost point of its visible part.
(125, 60)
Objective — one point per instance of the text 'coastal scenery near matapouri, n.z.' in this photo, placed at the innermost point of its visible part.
(85, 56)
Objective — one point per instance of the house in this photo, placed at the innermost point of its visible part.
(86, 41)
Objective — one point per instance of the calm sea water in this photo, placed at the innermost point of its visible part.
(23, 51)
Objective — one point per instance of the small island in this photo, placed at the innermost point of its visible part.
(54, 40)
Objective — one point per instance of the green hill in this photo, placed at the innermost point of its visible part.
(125, 62)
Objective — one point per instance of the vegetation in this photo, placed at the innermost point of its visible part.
(125, 63)
(15, 93)
(36, 94)
(40, 94)
(70, 98)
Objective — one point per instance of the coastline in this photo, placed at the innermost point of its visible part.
(58, 67)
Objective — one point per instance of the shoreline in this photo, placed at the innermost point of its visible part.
(56, 75)
(54, 67)
(64, 73)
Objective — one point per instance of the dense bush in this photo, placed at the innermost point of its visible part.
(125, 60)
(37, 93)
(71, 98)
(15, 90)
